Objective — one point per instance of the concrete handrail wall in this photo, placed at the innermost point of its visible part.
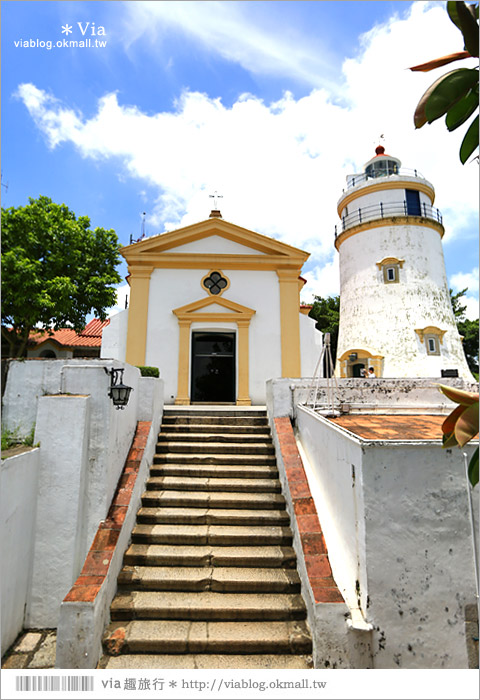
(84, 442)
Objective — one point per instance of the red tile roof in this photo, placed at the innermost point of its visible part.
(90, 337)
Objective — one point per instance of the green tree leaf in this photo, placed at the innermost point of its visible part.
(473, 469)
(55, 270)
(449, 90)
(470, 141)
(461, 111)
(463, 16)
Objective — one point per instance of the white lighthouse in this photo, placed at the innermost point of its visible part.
(395, 309)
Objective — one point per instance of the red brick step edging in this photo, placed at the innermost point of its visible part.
(97, 562)
(323, 585)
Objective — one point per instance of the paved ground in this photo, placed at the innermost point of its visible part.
(33, 649)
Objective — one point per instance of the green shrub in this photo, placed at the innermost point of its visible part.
(149, 371)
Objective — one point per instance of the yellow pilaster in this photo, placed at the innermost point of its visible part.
(138, 314)
(183, 396)
(243, 397)
(290, 322)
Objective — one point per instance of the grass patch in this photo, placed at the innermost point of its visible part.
(11, 438)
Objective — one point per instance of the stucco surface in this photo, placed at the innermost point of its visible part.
(396, 521)
(381, 318)
(18, 491)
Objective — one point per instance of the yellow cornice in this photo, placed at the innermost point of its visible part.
(361, 354)
(233, 311)
(430, 330)
(390, 261)
(211, 261)
(389, 221)
(379, 186)
(155, 245)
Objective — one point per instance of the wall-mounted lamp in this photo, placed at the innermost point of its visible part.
(117, 391)
(352, 357)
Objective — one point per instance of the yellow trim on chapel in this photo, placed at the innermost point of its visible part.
(196, 311)
(290, 322)
(139, 282)
(267, 254)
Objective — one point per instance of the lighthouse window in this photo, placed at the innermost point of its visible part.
(390, 274)
(433, 347)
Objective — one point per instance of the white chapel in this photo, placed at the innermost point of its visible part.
(216, 308)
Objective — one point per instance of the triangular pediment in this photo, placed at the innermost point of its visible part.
(218, 231)
(214, 305)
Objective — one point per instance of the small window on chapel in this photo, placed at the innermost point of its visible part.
(215, 283)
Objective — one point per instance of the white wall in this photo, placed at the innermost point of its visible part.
(310, 345)
(61, 517)
(114, 337)
(170, 289)
(84, 442)
(334, 474)
(111, 430)
(420, 554)
(401, 529)
(18, 495)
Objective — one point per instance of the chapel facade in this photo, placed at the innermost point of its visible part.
(216, 308)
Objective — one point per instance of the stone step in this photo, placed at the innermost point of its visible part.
(212, 499)
(212, 516)
(231, 535)
(185, 637)
(197, 483)
(209, 437)
(210, 555)
(230, 459)
(185, 428)
(223, 448)
(207, 661)
(215, 471)
(215, 411)
(207, 605)
(214, 420)
(209, 578)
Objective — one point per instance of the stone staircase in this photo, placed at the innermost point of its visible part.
(209, 580)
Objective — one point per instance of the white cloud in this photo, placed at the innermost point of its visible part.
(469, 281)
(465, 280)
(280, 167)
(240, 32)
(123, 300)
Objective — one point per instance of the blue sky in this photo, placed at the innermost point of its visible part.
(271, 104)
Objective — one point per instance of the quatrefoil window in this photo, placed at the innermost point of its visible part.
(215, 283)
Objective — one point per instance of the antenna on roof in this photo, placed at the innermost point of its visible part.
(143, 226)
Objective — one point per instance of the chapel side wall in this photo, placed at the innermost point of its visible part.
(420, 562)
(310, 346)
(114, 337)
(18, 498)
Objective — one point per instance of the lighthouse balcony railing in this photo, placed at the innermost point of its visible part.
(387, 210)
(387, 171)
